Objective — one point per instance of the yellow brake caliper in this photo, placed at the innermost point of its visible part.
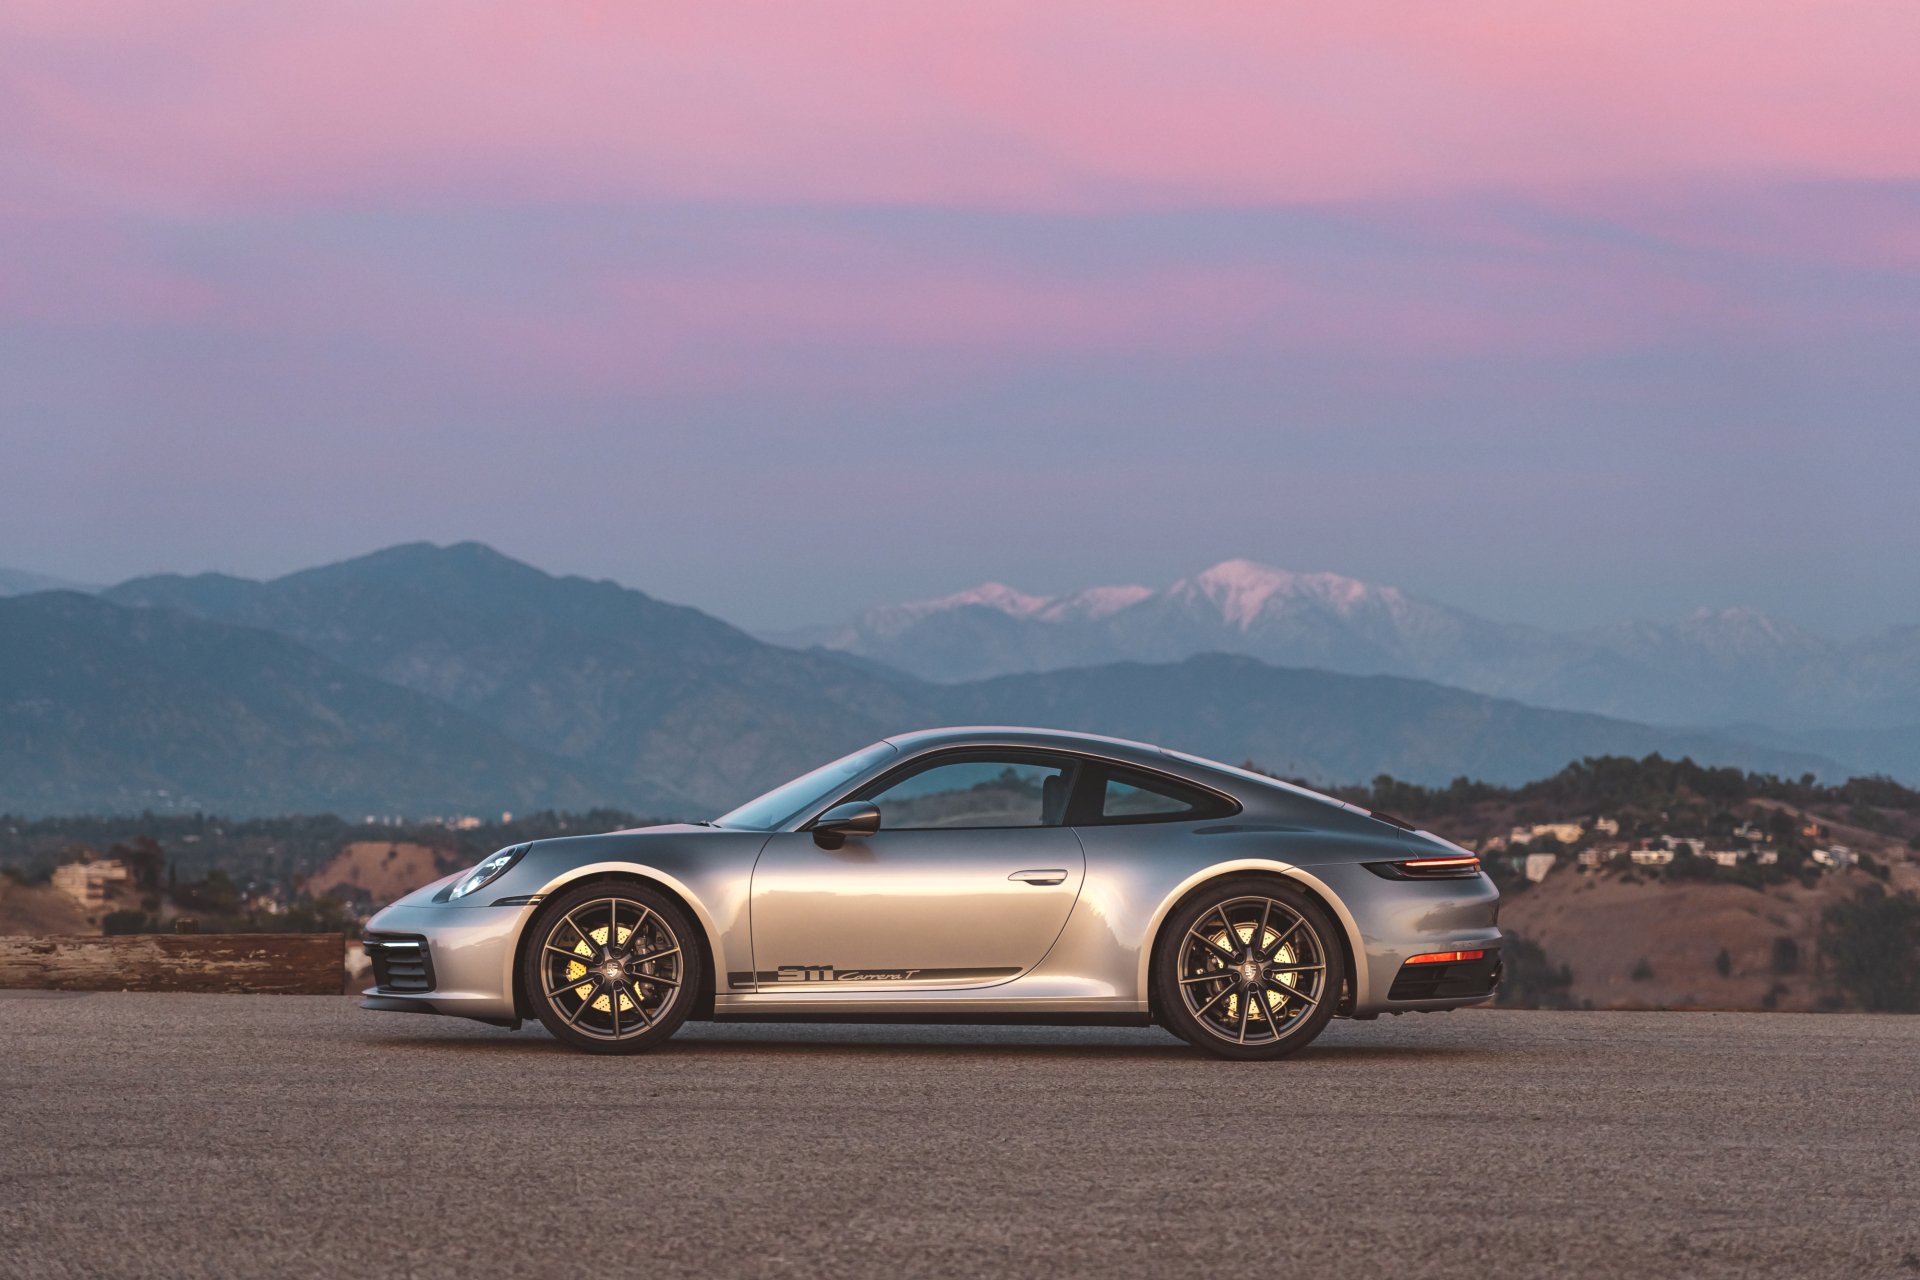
(577, 969)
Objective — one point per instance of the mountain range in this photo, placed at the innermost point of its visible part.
(424, 679)
(1717, 667)
(109, 709)
(18, 582)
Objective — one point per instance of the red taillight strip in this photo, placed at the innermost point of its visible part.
(1446, 957)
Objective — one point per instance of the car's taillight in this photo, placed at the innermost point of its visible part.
(1453, 867)
(1446, 957)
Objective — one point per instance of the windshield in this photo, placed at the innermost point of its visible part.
(788, 801)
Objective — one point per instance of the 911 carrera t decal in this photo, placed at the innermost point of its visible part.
(798, 974)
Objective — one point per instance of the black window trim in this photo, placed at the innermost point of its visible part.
(1072, 766)
(1088, 798)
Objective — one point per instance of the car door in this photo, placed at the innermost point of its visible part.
(968, 881)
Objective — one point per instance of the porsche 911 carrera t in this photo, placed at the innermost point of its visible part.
(964, 875)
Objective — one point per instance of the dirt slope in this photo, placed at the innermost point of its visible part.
(41, 910)
(381, 869)
(1603, 925)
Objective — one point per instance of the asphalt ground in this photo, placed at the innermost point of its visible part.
(161, 1135)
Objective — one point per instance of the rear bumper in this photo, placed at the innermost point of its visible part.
(1470, 980)
(1400, 919)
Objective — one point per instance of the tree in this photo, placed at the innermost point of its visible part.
(121, 922)
(1531, 981)
(1874, 945)
(216, 895)
(145, 860)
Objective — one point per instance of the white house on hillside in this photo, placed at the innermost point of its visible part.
(1564, 832)
(86, 882)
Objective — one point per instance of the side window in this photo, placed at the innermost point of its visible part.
(1139, 797)
(976, 791)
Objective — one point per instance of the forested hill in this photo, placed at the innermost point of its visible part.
(1653, 796)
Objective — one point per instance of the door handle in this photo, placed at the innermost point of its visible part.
(1051, 875)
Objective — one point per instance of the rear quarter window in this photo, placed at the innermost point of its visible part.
(1120, 795)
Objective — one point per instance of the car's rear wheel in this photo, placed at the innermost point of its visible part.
(612, 967)
(1248, 968)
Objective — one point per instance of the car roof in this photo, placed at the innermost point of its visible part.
(1024, 735)
(1124, 749)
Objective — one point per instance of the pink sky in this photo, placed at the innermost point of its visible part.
(411, 226)
(190, 107)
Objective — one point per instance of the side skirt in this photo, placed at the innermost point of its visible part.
(949, 1019)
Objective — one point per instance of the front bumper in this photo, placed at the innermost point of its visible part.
(469, 959)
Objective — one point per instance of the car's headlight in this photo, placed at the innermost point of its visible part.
(489, 870)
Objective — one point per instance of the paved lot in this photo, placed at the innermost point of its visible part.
(246, 1136)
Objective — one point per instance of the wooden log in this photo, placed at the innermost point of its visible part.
(258, 963)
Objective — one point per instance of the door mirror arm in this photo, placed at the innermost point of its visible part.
(854, 818)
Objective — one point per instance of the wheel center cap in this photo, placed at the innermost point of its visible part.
(1250, 971)
(613, 971)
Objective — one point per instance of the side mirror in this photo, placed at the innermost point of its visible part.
(854, 818)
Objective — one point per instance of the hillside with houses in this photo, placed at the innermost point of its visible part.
(1656, 883)
(293, 874)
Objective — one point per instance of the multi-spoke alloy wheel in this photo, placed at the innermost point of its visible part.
(611, 967)
(1249, 968)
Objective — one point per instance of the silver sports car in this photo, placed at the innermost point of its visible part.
(964, 875)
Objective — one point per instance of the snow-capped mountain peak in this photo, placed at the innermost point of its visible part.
(1091, 604)
(1730, 635)
(1242, 590)
(1719, 665)
(1239, 594)
(988, 595)
(1094, 603)
(893, 619)
(1742, 619)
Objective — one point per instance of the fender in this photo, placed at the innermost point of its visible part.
(691, 900)
(1268, 866)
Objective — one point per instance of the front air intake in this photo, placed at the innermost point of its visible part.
(401, 963)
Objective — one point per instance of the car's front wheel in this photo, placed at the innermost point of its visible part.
(1248, 968)
(611, 967)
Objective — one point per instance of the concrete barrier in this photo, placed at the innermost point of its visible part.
(256, 963)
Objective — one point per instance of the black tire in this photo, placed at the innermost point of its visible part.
(1267, 995)
(626, 997)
